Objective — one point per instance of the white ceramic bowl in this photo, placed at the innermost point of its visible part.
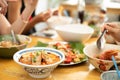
(74, 32)
(41, 71)
(58, 20)
(109, 75)
(91, 51)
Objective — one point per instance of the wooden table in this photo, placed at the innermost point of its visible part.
(9, 70)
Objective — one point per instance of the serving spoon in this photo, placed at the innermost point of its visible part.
(101, 40)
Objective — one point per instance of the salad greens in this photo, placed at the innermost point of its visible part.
(41, 44)
(77, 46)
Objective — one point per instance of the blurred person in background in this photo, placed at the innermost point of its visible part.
(18, 6)
(113, 34)
(20, 22)
(15, 9)
(41, 17)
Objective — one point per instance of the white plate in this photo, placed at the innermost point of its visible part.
(64, 64)
(72, 63)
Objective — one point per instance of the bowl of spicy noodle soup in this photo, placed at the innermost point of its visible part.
(39, 62)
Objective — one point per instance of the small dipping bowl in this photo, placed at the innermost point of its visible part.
(109, 75)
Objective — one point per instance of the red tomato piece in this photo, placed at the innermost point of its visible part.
(68, 59)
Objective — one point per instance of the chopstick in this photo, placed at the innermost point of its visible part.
(116, 67)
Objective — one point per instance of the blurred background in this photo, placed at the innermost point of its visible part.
(95, 11)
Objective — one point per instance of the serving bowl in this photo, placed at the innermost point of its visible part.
(109, 75)
(74, 32)
(54, 21)
(7, 49)
(38, 71)
(101, 64)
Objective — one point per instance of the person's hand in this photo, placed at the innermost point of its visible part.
(3, 6)
(113, 30)
(42, 17)
(55, 13)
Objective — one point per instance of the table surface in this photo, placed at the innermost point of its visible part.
(9, 70)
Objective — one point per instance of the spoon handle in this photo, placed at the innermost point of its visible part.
(100, 41)
(13, 36)
(105, 30)
(15, 40)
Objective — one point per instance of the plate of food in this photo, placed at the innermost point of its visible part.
(73, 51)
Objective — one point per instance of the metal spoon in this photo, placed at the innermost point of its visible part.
(15, 40)
(101, 41)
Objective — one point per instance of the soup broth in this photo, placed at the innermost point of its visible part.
(39, 58)
(107, 55)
